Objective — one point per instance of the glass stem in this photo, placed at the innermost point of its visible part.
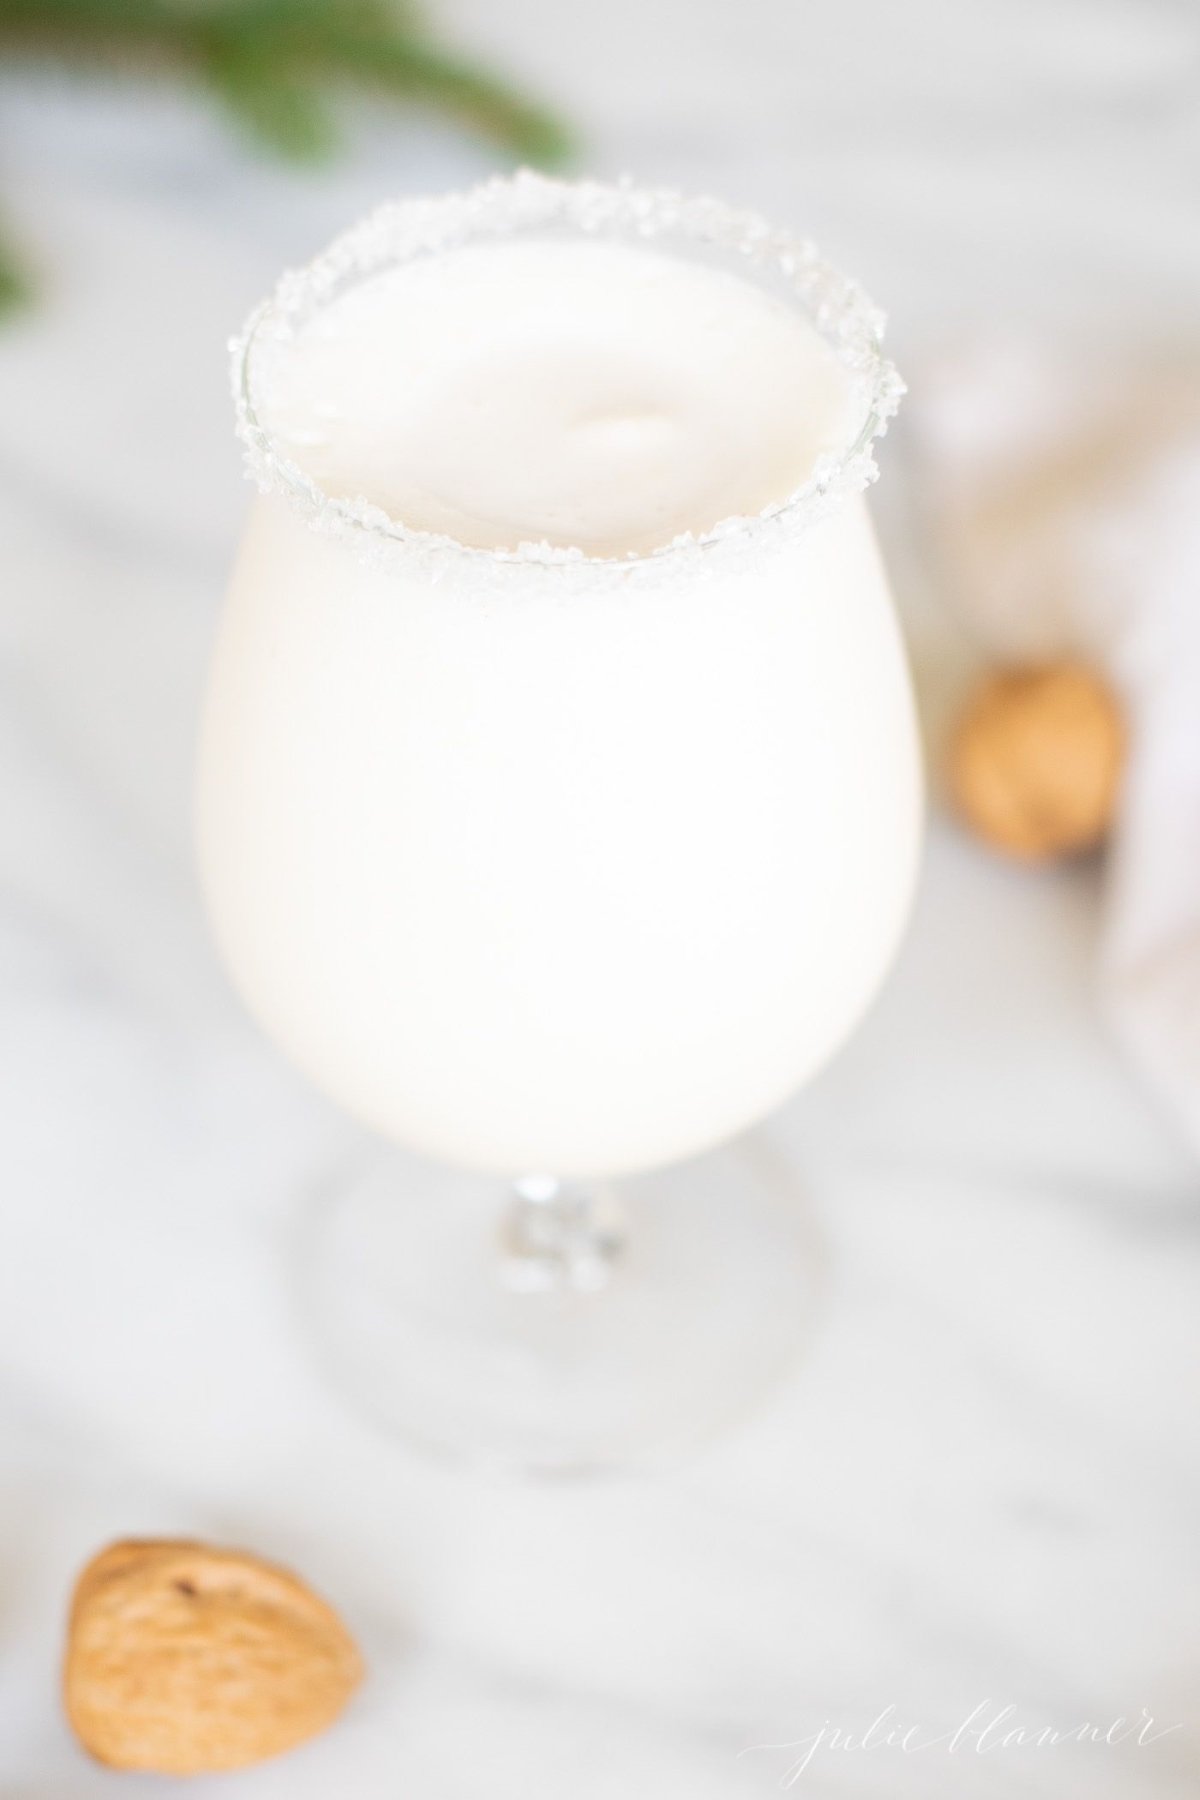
(558, 1236)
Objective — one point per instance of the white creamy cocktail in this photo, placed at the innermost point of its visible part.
(559, 792)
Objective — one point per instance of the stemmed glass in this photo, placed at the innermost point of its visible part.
(560, 871)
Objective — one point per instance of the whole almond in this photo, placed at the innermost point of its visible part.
(183, 1659)
(1036, 760)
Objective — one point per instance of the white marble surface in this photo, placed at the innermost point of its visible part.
(983, 1487)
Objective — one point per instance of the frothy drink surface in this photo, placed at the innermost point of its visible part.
(577, 392)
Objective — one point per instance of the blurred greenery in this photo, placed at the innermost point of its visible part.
(278, 68)
(14, 288)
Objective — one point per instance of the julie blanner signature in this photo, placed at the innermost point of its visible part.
(988, 1728)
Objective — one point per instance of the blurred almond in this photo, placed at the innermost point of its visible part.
(1036, 760)
(183, 1659)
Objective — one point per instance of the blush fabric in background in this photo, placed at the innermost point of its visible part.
(1061, 501)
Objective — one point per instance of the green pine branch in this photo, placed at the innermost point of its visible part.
(14, 286)
(277, 67)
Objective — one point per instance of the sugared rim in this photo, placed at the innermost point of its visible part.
(404, 229)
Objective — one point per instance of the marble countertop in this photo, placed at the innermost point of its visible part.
(981, 1490)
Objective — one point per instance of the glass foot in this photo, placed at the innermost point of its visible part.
(560, 1329)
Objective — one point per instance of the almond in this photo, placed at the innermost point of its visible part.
(1036, 760)
(183, 1659)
